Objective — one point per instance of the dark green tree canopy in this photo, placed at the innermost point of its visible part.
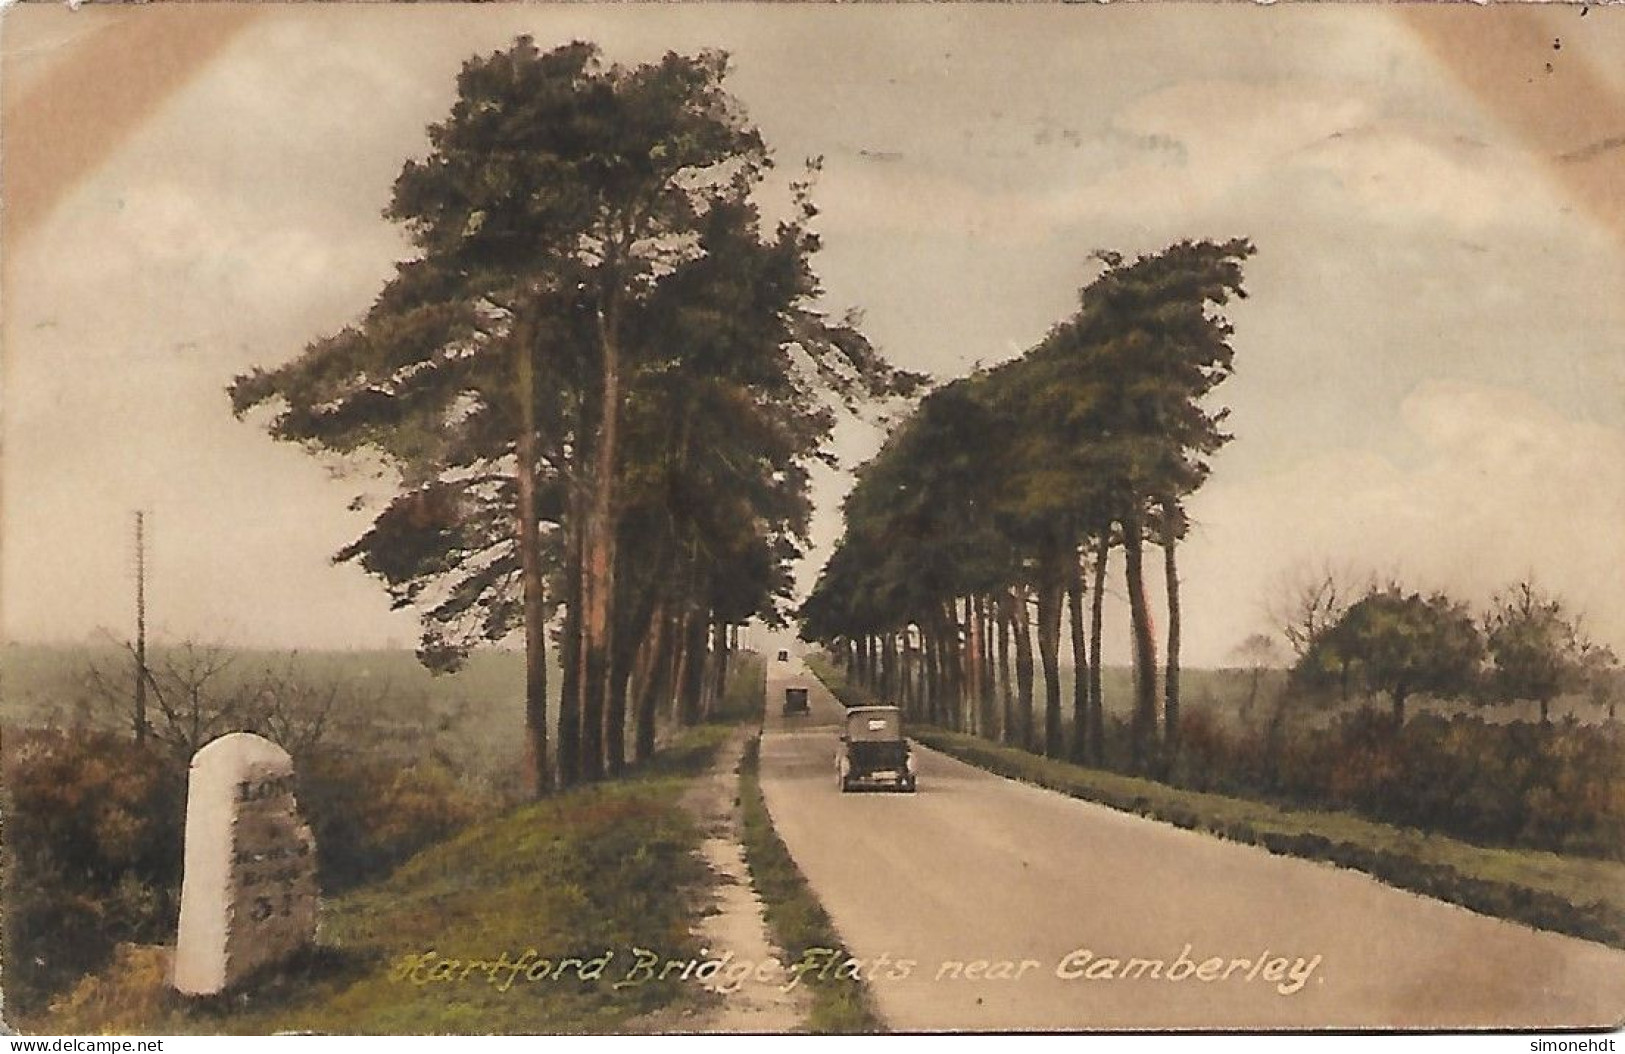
(565, 202)
(1401, 643)
(1108, 410)
(1535, 649)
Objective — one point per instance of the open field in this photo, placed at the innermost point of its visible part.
(478, 709)
(475, 714)
(1227, 696)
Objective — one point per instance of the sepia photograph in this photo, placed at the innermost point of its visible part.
(704, 518)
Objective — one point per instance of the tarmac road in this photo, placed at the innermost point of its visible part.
(994, 891)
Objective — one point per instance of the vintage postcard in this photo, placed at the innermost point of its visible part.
(812, 518)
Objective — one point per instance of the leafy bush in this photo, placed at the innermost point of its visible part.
(1558, 787)
(93, 832)
(370, 815)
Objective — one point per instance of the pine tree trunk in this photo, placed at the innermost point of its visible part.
(708, 671)
(643, 671)
(1080, 660)
(936, 668)
(570, 648)
(1144, 730)
(671, 691)
(691, 685)
(990, 704)
(620, 680)
(922, 693)
(956, 668)
(933, 674)
(922, 673)
(679, 668)
(939, 675)
(1050, 589)
(634, 655)
(1024, 671)
(910, 674)
(1170, 682)
(900, 646)
(651, 689)
(719, 640)
(973, 663)
(1097, 702)
(598, 564)
(538, 778)
(1007, 698)
(595, 690)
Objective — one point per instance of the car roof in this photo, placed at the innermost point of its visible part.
(873, 710)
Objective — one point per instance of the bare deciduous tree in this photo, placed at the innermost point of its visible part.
(1259, 652)
(1309, 600)
(191, 699)
(197, 691)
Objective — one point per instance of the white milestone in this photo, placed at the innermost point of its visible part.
(248, 893)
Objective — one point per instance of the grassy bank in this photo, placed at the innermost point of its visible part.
(600, 869)
(794, 915)
(846, 693)
(745, 695)
(1579, 896)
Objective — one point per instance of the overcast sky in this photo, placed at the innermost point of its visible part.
(1430, 368)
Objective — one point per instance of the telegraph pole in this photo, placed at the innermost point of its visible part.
(140, 627)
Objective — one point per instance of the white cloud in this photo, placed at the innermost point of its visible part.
(1182, 153)
(1498, 485)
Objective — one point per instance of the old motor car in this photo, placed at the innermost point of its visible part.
(795, 699)
(873, 750)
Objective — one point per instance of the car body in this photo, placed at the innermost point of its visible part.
(784, 655)
(795, 699)
(874, 752)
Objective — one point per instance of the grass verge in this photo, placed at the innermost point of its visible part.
(798, 922)
(1579, 896)
(597, 870)
(846, 693)
(745, 694)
